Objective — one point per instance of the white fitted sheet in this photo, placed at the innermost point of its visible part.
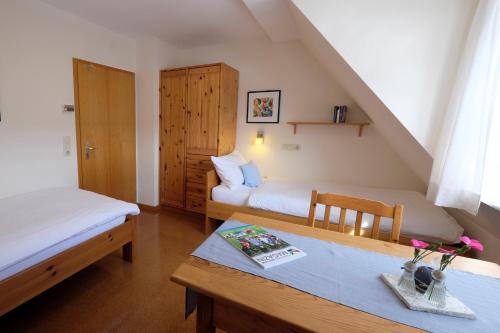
(49, 219)
(238, 196)
(421, 219)
(58, 248)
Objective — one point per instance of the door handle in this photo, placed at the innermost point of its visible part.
(88, 150)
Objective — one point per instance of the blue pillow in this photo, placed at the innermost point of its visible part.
(251, 174)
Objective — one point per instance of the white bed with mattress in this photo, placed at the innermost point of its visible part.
(38, 225)
(421, 218)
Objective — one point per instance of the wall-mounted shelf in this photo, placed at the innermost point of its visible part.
(327, 123)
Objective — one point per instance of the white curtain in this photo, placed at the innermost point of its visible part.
(459, 164)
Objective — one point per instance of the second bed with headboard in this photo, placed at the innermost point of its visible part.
(289, 201)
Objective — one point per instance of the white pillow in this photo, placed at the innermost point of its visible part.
(228, 169)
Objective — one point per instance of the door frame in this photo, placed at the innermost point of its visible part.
(79, 151)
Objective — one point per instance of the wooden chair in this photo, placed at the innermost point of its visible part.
(376, 208)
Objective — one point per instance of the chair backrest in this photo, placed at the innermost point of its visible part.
(376, 208)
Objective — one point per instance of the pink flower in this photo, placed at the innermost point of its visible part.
(445, 251)
(472, 243)
(465, 240)
(419, 244)
(476, 245)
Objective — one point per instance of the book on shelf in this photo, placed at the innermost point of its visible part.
(343, 114)
(339, 113)
(262, 247)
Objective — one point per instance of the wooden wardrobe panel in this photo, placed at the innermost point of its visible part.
(228, 109)
(92, 86)
(210, 130)
(122, 143)
(172, 145)
(202, 123)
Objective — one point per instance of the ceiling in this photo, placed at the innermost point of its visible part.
(184, 23)
(275, 18)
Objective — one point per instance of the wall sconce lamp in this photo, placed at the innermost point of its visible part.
(259, 140)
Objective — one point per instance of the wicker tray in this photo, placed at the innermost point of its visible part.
(453, 306)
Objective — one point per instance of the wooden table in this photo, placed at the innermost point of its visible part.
(235, 301)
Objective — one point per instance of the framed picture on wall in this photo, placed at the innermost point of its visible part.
(263, 106)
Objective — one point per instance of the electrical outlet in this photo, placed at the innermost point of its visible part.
(291, 146)
(66, 145)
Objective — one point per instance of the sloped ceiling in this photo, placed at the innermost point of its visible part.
(414, 155)
(406, 51)
(384, 120)
(396, 58)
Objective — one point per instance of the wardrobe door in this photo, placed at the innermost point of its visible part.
(122, 143)
(203, 110)
(91, 87)
(172, 145)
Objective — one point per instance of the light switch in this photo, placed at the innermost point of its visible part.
(66, 145)
(68, 108)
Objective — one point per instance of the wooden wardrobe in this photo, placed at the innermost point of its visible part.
(197, 120)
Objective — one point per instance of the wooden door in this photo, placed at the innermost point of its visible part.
(172, 137)
(203, 110)
(122, 143)
(105, 124)
(92, 125)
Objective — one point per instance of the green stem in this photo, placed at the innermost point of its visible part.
(447, 262)
(420, 256)
(432, 290)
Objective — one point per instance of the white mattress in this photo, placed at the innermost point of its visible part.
(421, 219)
(238, 196)
(37, 225)
(58, 248)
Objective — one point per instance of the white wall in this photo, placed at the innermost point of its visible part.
(308, 93)
(484, 227)
(38, 43)
(152, 55)
(386, 123)
(405, 50)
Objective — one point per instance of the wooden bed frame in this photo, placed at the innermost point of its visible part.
(222, 211)
(27, 284)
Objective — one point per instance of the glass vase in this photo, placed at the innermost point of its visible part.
(436, 292)
(407, 280)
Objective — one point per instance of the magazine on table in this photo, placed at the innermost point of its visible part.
(262, 247)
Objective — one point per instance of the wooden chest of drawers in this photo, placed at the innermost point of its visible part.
(197, 167)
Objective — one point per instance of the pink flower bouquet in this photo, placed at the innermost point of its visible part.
(447, 255)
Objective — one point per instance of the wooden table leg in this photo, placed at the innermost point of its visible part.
(210, 225)
(204, 315)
